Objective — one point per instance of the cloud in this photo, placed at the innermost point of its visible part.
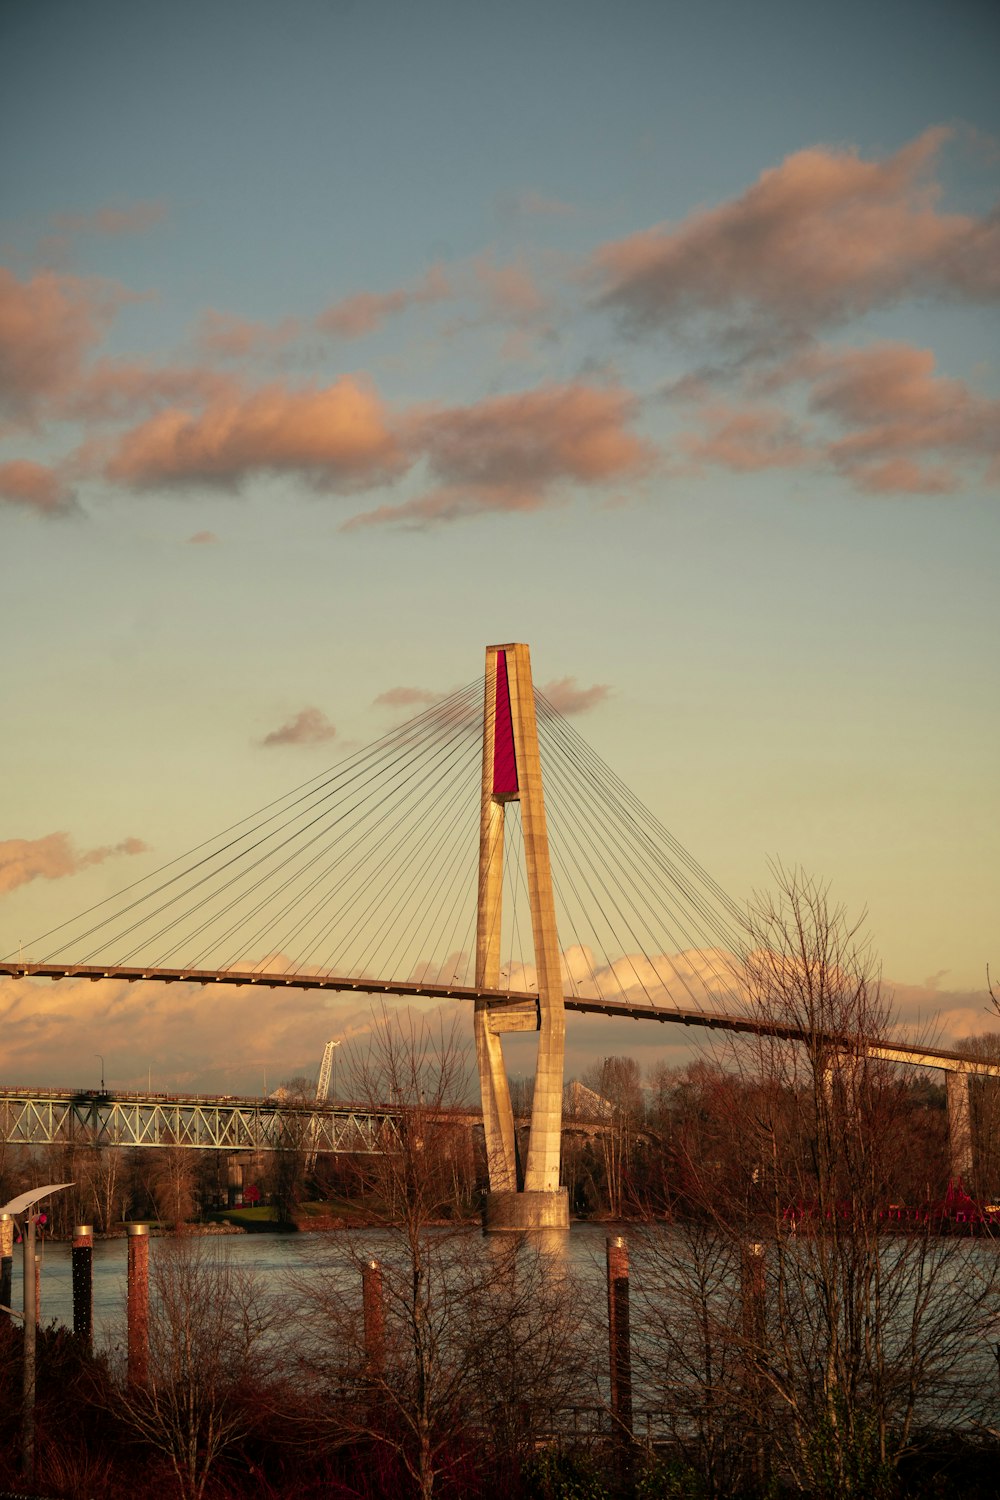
(222, 335)
(113, 390)
(405, 697)
(532, 204)
(567, 698)
(53, 857)
(516, 453)
(309, 727)
(823, 237)
(134, 218)
(745, 438)
(108, 221)
(222, 1039)
(37, 486)
(338, 437)
(365, 312)
(895, 408)
(203, 537)
(47, 326)
(510, 292)
(879, 416)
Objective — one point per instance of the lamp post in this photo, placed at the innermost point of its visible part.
(26, 1204)
(99, 1055)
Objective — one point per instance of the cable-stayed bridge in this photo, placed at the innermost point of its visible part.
(431, 864)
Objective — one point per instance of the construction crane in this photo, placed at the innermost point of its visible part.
(322, 1094)
(326, 1073)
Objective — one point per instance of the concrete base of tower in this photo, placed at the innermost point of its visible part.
(517, 1212)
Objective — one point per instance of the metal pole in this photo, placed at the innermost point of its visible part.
(6, 1259)
(28, 1383)
(138, 1304)
(83, 1281)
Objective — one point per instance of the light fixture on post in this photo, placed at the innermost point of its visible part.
(26, 1204)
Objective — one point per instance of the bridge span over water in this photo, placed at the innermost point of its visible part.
(430, 864)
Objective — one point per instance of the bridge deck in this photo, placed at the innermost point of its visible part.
(890, 1049)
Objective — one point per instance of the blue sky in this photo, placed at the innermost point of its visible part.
(337, 341)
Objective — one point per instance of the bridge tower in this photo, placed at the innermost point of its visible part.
(512, 772)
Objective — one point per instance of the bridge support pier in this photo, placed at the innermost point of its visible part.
(234, 1182)
(960, 1127)
(517, 1212)
(512, 772)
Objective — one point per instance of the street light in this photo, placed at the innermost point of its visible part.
(98, 1054)
(27, 1201)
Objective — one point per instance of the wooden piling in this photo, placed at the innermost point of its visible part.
(619, 1344)
(83, 1281)
(138, 1304)
(373, 1311)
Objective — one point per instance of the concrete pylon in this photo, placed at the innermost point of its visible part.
(959, 1127)
(512, 772)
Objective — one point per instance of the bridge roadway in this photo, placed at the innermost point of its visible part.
(523, 1004)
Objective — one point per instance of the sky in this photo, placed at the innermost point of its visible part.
(340, 340)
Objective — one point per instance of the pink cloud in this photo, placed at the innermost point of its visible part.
(510, 291)
(134, 218)
(880, 416)
(225, 336)
(515, 453)
(365, 312)
(405, 697)
(309, 727)
(824, 236)
(567, 698)
(339, 437)
(36, 486)
(536, 205)
(225, 1044)
(202, 538)
(53, 857)
(47, 326)
(108, 221)
(112, 390)
(745, 438)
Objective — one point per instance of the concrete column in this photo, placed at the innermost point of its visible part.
(498, 1117)
(235, 1182)
(83, 1281)
(512, 772)
(545, 1142)
(6, 1259)
(619, 1344)
(960, 1127)
(373, 1309)
(138, 1304)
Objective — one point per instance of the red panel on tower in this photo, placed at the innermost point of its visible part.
(504, 759)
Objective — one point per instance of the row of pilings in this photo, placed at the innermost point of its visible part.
(373, 1306)
(83, 1288)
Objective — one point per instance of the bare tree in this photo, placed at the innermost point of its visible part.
(208, 1329)
(869, 1320)
(475, 1337)
(616, 1081)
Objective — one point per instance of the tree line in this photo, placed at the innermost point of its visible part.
(796, 1329)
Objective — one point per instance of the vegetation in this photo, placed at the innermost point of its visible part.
(807, 1318)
